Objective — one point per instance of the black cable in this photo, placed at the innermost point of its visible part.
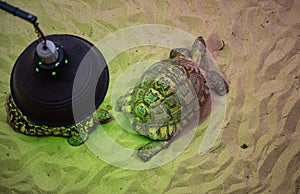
(26, 16)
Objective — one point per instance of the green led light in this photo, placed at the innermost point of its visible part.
(40, 62)
(66, 61)
(37, 69)
(53, 73)
(57, 64)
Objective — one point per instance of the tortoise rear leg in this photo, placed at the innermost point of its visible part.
(102, 116)
(78, 139)
(80, 131)
(149, 150)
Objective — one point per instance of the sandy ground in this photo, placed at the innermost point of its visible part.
(261, 59)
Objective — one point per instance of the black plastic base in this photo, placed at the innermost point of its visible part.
(70, 94)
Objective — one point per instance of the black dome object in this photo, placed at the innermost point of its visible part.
(65, 92)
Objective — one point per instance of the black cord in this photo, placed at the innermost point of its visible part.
(26, 16)
(40, 34)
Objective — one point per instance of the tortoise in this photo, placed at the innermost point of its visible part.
(77, 133)
(169, 94)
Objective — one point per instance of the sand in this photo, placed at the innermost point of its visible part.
(258, 150)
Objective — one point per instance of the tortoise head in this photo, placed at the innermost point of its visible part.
(199, 45)
(198, 49)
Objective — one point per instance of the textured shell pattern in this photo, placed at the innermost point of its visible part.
(166, 98)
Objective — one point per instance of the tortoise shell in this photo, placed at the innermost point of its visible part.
(166, 99)
(170, 95)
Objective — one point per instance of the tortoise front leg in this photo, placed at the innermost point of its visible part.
(149, 150)
(217, 83)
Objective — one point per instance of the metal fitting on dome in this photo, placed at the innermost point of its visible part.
(47, 52)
